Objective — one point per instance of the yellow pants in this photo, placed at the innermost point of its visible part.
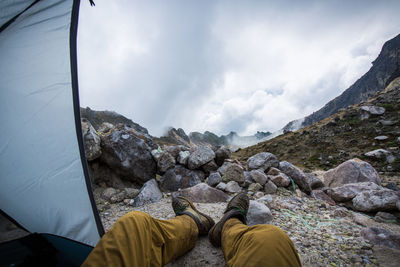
(137, 239)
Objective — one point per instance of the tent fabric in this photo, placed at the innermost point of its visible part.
(44, 180)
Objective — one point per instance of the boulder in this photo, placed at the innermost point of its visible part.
(221, 154)
(221, 186)
(118, 197)
(384, 217)
(149, 193)
(203, 193)
(222, 169)
(214, 179)
(320, 195)
(351, 171)
(273, 171)
(233, 187)
(258, 177)
(314, 181)
(258, 195)
(381, 138)
(234, 172)
(91, 140)
(381, 237)
(263, 160)
(165, 161)
(131, 192)
(297, 175)
(280, 180)
(374, 110)
(209, 167)
(200, 156)
(270, 188)
(258, 213)
(175, 150)
(254, 187)
(128, 154)
(108, 193)
(247, 179)
(376, 200)
(179, 177)
(381, 154)
(183, 157)
(347, 192)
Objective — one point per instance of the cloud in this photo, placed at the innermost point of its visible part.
(222, 66)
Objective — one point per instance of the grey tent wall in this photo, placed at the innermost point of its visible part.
(45, 184)
(78, 126)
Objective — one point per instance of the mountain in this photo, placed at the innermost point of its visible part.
(384, 69)
(352, 132)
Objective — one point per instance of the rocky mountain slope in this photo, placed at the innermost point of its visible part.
(384, 70)
(369, 130)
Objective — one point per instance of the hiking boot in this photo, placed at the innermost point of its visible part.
(236, 208)
(183, 206)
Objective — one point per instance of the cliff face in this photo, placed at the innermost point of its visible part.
(384, 69)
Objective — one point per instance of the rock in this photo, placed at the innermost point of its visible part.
(258, 213)
(281, 180)
(221, 186)
(270, 188)
(296, 174)
(209, 167)
(247, 179)
(255, 187)
(105, 127)
(179, 177)
(234, 172)
(118, 197)
(131, 192)
(263, 160)
(274, 171)
(214, 179)
(384, 217)
(349, 191)
(165, 161)
(376, 200)
(91, 140)
(381, 137)
(175, 150)
(128, 154)
(314, 181)
(258, 177)
(108, 193)
(398, 205)
(221, 154)
(222, 169)
(202, 193)
(258, 194)
(362, 220)
(351, 171)
(381, 237)
(381, 154)
(156, 153)
(387, 122)
(319, 194)
(392, 186)
(374, 110)
(233, 187)
(341, 212)
(183, 157)
(149, 193)
(265, 199)
(200, 156)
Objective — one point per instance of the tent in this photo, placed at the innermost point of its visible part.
(45, 185)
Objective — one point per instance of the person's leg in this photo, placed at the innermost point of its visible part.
(137, 239)
(258, 245)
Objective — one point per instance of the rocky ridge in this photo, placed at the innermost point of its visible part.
(321, 213)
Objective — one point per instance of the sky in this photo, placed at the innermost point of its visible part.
(222, 66)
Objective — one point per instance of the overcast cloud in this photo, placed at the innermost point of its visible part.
(224, 66)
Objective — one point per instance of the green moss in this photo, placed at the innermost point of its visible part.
(388, 107)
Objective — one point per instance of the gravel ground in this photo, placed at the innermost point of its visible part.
(324, 235)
